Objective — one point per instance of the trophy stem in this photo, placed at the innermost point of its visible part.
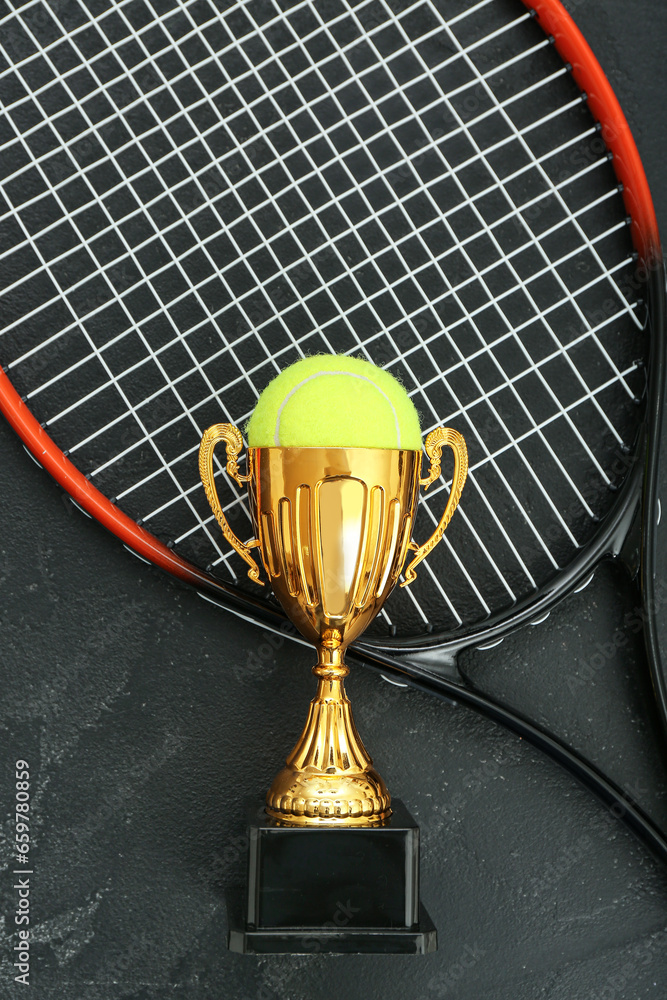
(329, 777)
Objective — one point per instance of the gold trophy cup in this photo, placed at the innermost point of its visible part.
(334, 529)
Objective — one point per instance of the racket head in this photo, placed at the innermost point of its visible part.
(323, 290)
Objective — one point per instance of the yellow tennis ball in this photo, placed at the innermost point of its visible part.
(333, 401)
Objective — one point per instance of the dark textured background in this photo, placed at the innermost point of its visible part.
(147, 724)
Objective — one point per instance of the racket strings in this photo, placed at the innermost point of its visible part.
(128, 107)
(342, 216)
(472, 237)
(145, 360)
(451, 210)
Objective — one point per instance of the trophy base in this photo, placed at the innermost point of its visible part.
(421, 940)
(331, 889)
(311, 798)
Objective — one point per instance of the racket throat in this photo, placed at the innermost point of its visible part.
(329, 776)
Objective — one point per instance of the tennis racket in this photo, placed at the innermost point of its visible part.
(197, 194)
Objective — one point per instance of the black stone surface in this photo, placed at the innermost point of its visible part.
(147, 725)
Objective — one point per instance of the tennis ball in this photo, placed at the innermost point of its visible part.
(333, 401)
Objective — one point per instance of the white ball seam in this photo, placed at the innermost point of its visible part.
(295, 388)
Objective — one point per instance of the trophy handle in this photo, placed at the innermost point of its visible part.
(434, 444)
(231, 435)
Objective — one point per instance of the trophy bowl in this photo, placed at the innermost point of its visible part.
(334, 529)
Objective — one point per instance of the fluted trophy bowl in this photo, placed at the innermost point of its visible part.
(334, 529)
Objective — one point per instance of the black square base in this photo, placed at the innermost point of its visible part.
(331, 889)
